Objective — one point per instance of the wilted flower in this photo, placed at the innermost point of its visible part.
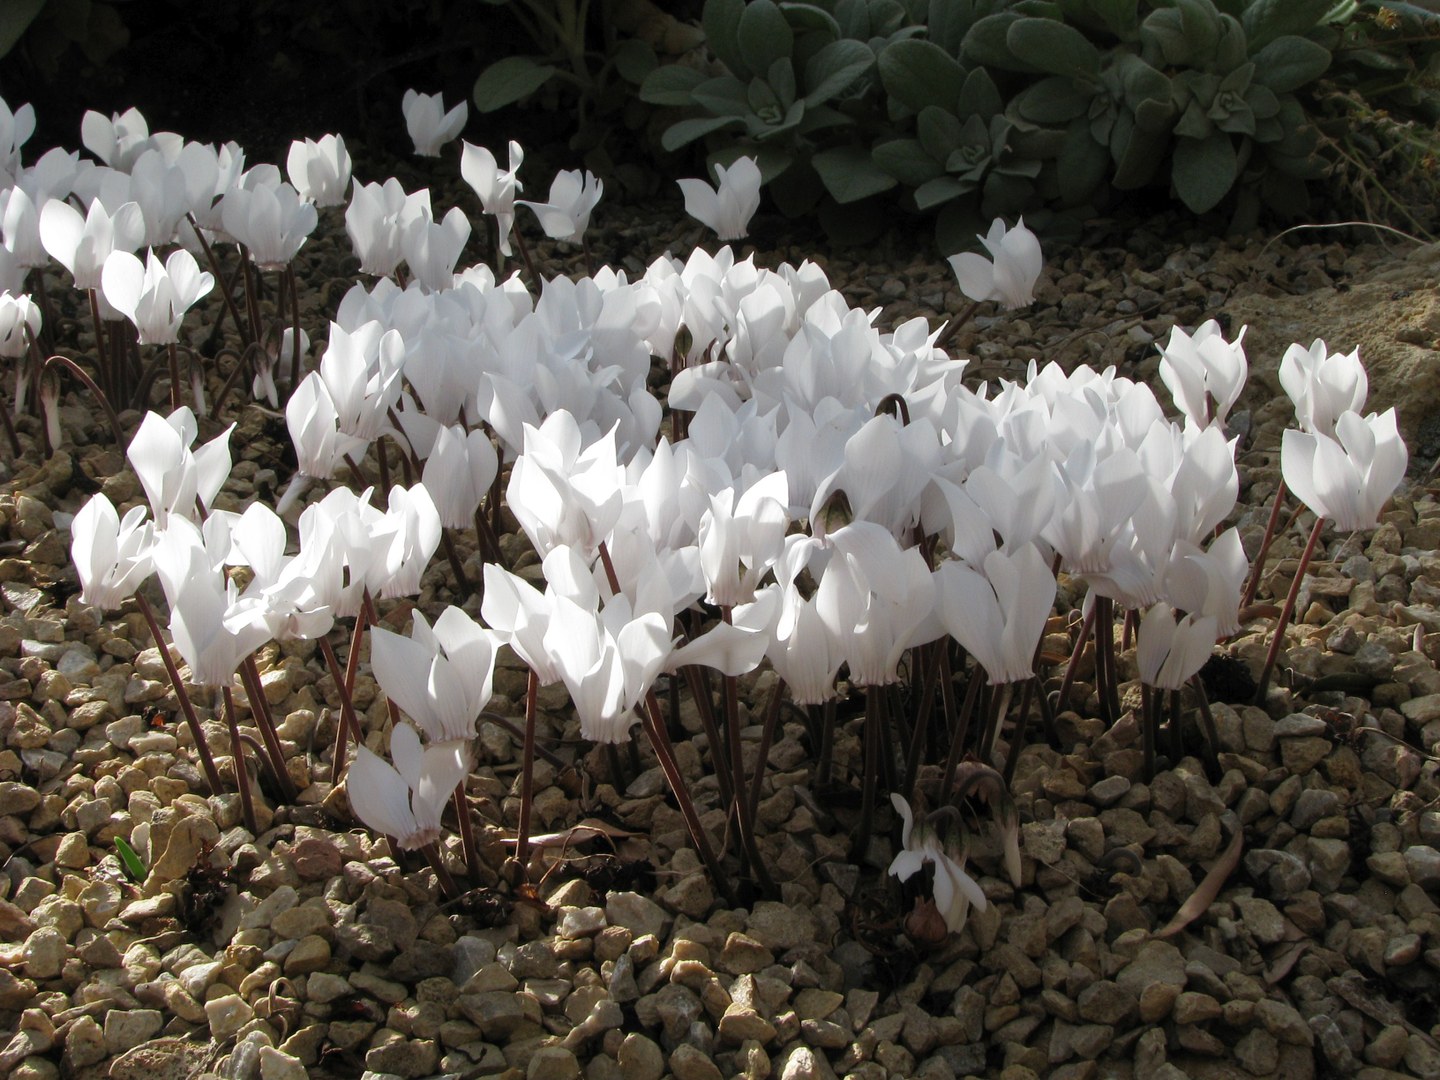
(728, 207)
(955, 890)
(430, 126)
(1009, 274)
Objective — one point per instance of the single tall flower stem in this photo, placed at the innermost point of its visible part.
(102, 360)
(1289, 609)
(260, 710)
(452, 554)
(962, 728)
(527, 773)
(47, 316)
(202, 746)
(654, 725)
(486, 538)
(1212, 737)
(954, 325)
(252, 299)
(1150, 720)
(237, 755)
(10, 434)
(289, 277)
(227, 289)
(174, 359)
(767, 736)
(1087, 626)
(871, 778)
(1253, 584)
(349, 724)
(823, 717)
(740, 804)
(525, 255)
(442, 875)
(1177, 741)
(999, 706)
(1105, 686)
(467, 833)
(1017, 738)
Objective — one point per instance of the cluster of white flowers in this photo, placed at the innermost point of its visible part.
(835, 489)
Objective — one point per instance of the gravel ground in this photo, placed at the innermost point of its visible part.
(313, 950)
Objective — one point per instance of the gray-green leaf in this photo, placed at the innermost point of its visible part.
(509, 80)
(850, 175)
(1204, 170)
(918, 73)
(1289, 62)
(1054, 47)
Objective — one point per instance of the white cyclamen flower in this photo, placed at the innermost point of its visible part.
(727, 207)
(111, 556)
(406, 800)
(430, 126)
(567, 214)
(1347, 479)
(496, 188)
(1009, 274)
(154, 296)
(1204, 373)
(319, 170)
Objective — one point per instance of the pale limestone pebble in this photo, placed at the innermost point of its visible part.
(278, 1065)
(640, 1058)
(390, 1052)
(84, 1044)
(128, 1028)
(638, 914)
(227, 1014)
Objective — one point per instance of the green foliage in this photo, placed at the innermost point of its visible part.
(130, 861)
(971, 108)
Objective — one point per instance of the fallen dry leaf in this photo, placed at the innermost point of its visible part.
(1204, 895)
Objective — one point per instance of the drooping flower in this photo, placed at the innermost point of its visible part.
(429, 125)
(1347, 479)
(1009, 274)
(727, 207)
(954, 889)
(566, 215)
(407, 799)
